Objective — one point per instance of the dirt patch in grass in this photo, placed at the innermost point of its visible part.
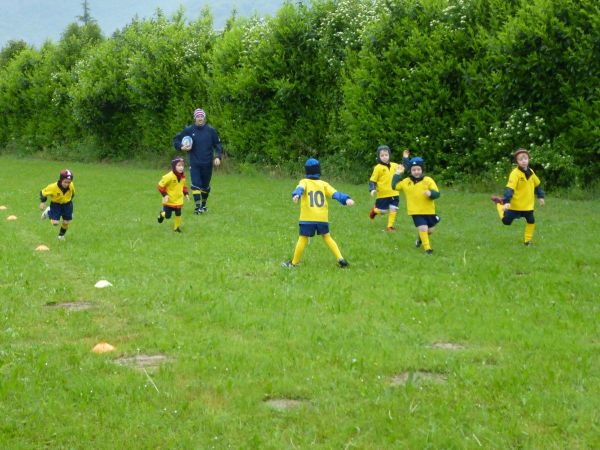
(71, 306)
(143, 361)
(418, 377)
(447, 345)
(285, 404)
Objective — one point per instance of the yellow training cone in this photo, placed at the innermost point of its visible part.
(41, 248)
(11, 218)
(103, 347)
(3, 208)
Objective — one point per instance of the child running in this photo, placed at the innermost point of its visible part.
(420, 192)
(519, 196)
(380, 185)
(173, 189)
(314, 211)
(61, 204)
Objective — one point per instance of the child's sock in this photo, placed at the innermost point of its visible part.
(500, 209)
(177, 222)
(424, 237)
(63, 229)
(333, 246)
(529, 229)
(300, 246)
(391, 219)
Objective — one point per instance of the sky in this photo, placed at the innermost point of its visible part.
(35, 21)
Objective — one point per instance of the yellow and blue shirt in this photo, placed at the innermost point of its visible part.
(417, 203)
(381, 180)
(521, 189)
(174, 186)
(313, 199)
(57, 194)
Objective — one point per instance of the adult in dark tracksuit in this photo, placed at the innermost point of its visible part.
(205, 141)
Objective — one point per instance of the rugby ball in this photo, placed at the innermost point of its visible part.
(186, 142)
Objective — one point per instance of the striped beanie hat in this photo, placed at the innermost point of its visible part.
(199, 113)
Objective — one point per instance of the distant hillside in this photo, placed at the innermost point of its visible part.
(35, 21)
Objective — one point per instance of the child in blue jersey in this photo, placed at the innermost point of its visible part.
(314, 211)
(420, 192)
(173, 190)
(519, 196)
(61, 196)
(380, 185)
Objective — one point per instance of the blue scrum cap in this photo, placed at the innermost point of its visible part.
(312, 168)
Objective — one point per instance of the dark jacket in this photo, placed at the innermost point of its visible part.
(205, 139)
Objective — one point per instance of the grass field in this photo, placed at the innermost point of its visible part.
(355, 348)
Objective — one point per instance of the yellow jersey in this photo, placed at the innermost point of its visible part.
(523, 198)
(57, 195)
(417, 203)
(313, 202)
(382, 176)
(174, 187)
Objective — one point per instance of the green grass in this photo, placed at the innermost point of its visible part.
(239, 329)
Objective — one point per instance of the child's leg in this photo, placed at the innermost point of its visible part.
(64, 227)
(300, 246)
(332, 246)
(500, 210)
(177, 219)
(529, 227)
(424, 237)
(392, 217)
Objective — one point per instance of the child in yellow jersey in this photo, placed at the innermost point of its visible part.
(380, 185)
(61, 194)
(519, 196)
(173, 189)
(420, 192)
(314, 211)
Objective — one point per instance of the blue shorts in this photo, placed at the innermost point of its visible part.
(431, 220)
(510, 215)
(309, 229)
(387, 203)
(58, 210)
(169, 210)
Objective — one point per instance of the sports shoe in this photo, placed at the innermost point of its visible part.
(198, 210)
(288, 264)
(418, 242)
(177, 230)
(45, 213)
(160, 218)
(390, 229)
(203, 209)
(343, 263)
(429, 252)
(528, 243)
(372, 214)
(61, 237)
(497, 199)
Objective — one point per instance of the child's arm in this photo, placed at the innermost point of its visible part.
(43, 198)
(372, 188)
(406, 159)
(163, 191)
(433, 192)
(540, 195)
(397, 176)
(297, 194)
(344, 199)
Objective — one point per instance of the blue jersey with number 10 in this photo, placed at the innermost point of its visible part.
(313, 202)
